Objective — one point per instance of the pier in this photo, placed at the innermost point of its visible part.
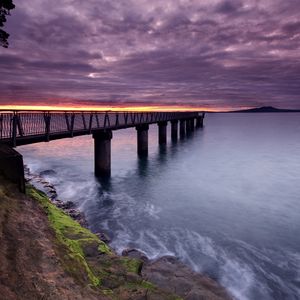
(27, 127)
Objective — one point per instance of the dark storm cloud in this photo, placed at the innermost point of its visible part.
(292, 28)
(228, 7)
(213, 53)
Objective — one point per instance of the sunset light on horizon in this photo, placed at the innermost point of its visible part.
(114, 108)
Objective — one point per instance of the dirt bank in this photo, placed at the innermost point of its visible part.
(29, 264)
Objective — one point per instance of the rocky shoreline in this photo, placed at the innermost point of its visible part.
(69, 207)
(166, 272)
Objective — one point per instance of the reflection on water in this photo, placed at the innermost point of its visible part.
(225, 200)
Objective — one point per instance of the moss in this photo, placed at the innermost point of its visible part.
(107, 292)
(103, 248)
(65, 228)
(90, 260)
(147, 285)
(132, 265)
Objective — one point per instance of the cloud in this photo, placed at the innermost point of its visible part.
(228, 7)
(214, 53)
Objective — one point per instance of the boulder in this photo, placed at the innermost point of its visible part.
(134, 253)
(67, 205)
(103, 237)
(173, 276)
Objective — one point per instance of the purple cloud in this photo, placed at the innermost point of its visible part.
(197, 53)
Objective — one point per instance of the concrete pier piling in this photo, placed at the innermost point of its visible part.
(187, 126)
(102, 142)
(192, 124)
(174, 130)
(162, 132)
(199, 122)
(182, 128)
(142, 139)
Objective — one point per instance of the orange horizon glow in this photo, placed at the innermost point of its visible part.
(157, 108)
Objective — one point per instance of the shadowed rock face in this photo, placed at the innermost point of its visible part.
(171, 275)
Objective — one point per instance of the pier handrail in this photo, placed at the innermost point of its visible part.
(18, 127)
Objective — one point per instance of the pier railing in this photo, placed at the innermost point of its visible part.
(25, 127)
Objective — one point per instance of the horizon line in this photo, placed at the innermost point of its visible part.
(156, 108)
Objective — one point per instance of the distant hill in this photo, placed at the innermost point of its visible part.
(265, 109)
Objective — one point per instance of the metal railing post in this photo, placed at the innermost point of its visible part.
(14, 129)
(83, 121)
(72, 124)
(47, 119)
(91, 122)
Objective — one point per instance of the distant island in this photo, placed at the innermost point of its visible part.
(265, 109)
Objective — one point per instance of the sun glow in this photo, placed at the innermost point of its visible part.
(170, 108)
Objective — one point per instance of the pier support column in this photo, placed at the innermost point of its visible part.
(182, 128)
(142, 139)
(102, 142)
(192, 124)
(174, 130)
(187, 126)
(199, 122)
(162, 132)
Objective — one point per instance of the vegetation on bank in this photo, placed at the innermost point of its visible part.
(91, 262)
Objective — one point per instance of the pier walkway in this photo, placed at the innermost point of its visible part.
(27, 127)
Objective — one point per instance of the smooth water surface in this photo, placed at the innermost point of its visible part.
(225, 200)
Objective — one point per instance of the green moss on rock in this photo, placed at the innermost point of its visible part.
(71, 236)
(132, 265)
(90, 261)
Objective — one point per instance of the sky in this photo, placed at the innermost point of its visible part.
(211, 54)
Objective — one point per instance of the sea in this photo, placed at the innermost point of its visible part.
(225, 200)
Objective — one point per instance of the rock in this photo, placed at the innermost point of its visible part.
(77, 216)
(83, 222)
(173, 276)
(113, 282)
(103, 237)
(43, 182)
(57, 203)
(47, 173)
(49, 186)
(134, 253)
(68, 205)
(52, 194)
(90, 248)
(132, 277)
(52, 197)
(74, 213)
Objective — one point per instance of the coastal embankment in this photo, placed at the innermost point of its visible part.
(46, 254)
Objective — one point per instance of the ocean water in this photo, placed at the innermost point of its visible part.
(225, 200)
